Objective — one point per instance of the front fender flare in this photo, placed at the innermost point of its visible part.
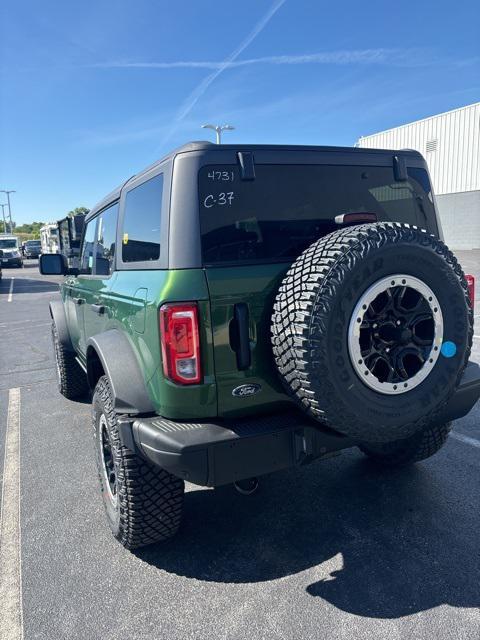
(121, 366)
(57, 313)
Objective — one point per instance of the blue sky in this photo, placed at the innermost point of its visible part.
(91, 92)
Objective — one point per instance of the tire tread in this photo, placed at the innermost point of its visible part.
(419, 447)
(150, 499)
(301, 314)
(72, 380)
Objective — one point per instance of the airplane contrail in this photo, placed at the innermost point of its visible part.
(201, 88)
(344, 56)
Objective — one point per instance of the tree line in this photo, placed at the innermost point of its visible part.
(33, 228)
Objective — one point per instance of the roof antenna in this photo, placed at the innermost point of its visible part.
(218, 129)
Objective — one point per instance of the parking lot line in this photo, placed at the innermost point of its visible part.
(10, 538)
(466, 439)
(10, 291)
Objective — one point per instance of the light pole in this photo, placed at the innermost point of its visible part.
(9, 207)
(4, 221)
(218, 129)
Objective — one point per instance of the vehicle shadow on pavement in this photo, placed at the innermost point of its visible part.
(26, 285)
(406, 539)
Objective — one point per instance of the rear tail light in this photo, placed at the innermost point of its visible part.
(471, 289)
(180, 342)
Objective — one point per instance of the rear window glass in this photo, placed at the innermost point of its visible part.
(287, 207)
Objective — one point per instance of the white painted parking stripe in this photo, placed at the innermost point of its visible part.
(10, 291)
(10, 538)
(466, 439)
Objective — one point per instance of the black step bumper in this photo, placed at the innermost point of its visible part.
(465, 397)
(216, 453)
(212, 453)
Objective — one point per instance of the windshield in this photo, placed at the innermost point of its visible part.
(8, 243)
(281, 212)
(33, 243)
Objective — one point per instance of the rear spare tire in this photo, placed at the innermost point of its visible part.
(372, 329)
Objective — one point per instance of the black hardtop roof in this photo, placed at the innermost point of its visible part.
(204, 145)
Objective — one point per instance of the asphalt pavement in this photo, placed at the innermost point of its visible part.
(339, 549)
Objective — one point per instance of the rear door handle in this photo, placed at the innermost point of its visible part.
(98, 308)
(78, 300)
(240, 336)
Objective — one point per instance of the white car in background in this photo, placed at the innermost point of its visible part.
(11, 253)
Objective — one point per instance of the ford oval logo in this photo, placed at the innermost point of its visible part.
(245, 390)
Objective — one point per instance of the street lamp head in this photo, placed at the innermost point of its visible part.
(218, 129)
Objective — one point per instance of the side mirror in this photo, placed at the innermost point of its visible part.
(53, 264)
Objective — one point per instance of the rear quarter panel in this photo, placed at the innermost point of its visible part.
(133, 302)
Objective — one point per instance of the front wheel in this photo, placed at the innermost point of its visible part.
(418, 447)
(143, 502)
(71, 379)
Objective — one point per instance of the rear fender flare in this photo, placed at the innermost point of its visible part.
(121, 366)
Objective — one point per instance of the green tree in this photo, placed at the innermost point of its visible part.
(78, 211)
(32, 227)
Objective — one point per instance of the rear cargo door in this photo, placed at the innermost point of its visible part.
(255, 220)
(241, 303)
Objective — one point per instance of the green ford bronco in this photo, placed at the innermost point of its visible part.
(238, 310)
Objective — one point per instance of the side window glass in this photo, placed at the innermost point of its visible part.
(141, 224)
(86, 260)
(106, 238)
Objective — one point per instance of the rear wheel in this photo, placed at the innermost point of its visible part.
(143, 502)
(71, 378)
(418, 447)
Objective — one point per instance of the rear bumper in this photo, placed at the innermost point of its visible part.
(465, 397)
(220, 452)
(223, 451)
(10, 262)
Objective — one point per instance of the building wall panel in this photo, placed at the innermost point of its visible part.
(450, 142)
(460, 218)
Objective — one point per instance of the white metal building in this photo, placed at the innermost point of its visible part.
(450, 142)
